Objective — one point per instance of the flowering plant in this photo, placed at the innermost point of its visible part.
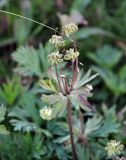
(67, 89)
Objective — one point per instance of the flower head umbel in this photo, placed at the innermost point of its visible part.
(46, 113)
(114, 148)
(69, 29)
(71, 54)
(57, 41)
(55, 58)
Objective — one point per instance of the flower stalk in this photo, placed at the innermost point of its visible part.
(69, 119)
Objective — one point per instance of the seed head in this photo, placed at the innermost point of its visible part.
(46, 113)
(69, 29)
(71, 55)
(114, 148)
(55, 58)
(57, 41)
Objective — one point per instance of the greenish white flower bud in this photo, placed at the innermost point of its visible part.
(114, 148)
(55, 58)
(46, 113)
(57, 41)
(69, 29)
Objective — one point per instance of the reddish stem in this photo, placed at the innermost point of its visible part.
(58, 79)
(69, 118)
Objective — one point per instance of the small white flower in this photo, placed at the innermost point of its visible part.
(46, 113)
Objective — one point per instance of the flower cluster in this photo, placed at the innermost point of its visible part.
(46, 113)
(114, 148)
(69, 29)
(55, 58)
(71, 54)
(57, 41)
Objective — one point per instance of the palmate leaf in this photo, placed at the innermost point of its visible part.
(93, 124)
(82, 81)
(22, 146)
(25, 117)
(81, 102)
(32, 62)
(28, 61)
(116, 82)
(109, 124)
(24, 125)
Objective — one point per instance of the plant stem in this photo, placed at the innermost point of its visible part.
(58, 79)
(69, 118)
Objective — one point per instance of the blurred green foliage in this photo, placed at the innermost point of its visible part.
(23, 60)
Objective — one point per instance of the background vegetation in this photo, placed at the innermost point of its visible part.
(23, 61)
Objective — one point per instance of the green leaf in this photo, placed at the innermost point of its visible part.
(82, 81)
(61, 140)
(51, 99)
(10, 90)
(91, 31)
(47, 85)
(106, 56)
(32, 62)
(122, 76)
(115, 82)
(2, 112)
(25, 117)
(80, 5)
(93, 124)
(24, 126)
(3, 130)
(109, 124)
(83, 152)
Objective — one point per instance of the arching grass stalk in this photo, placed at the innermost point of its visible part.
(29, 19)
